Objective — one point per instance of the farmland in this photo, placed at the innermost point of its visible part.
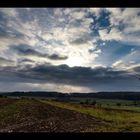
(49, 115)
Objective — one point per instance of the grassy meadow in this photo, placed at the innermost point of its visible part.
(119, 119)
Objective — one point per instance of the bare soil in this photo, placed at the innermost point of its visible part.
(6, 101)
(41, 117)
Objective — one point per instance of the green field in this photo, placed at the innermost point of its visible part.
(120, 120)
(110, 103)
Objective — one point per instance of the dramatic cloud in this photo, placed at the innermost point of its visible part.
(69, 49)
(62, 74)
(124, 25)
(26, 50)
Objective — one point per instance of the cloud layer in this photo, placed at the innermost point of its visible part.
(70, 49)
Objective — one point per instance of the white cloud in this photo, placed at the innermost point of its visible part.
(95, 11)
(120, 65)
(129, 66)
(11, 12)
(114, 34)
(128, 18)
(78, 15)
(6, 41)
(98, 51)
(76, 27)
(53, 32)
(67, 31)
(132, 56)
(5, 62)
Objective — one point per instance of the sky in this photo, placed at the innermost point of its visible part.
(70, 49)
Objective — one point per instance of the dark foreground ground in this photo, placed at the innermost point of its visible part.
(32, 115)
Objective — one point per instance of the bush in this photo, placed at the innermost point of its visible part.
(87, 102)
(118, 104)
(23, 98)
(100, 105)
(81, 102)
(1, 96)
(135, 103)
(93, 102)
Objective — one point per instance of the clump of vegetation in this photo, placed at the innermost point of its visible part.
(3, 96)
(94, 102)
(23, 98)
(118, 104)
(99, 105)
(135, 103)
(81, 102)
(87, 102)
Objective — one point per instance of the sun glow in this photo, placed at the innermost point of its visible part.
(74, 61)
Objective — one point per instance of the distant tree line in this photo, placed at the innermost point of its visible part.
(88, 102)
(101, 95)
(3, 96)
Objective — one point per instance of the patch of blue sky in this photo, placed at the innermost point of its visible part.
(112, 51)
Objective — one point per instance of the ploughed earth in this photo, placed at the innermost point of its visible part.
(26, 115)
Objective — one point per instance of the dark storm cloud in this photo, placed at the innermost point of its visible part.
(63, 74)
